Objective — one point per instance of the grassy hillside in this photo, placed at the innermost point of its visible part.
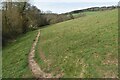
(15, 57)
(83, 47)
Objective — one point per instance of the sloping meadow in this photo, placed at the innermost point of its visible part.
(86, 47)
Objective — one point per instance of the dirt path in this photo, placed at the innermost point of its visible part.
(83, 69)
(35, 68)
(37, 72)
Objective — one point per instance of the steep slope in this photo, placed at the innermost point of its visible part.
(15, 57)
(83, 47)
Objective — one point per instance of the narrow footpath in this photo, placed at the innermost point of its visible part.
(33, 65)
(36, 70)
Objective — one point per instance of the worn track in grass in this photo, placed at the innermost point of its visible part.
(35, 68)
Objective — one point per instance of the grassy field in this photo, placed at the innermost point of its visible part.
(87, 13)
(15, 57)
(86, 47)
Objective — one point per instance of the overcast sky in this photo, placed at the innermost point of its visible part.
(62, 6)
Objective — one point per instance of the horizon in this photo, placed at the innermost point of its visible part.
(63, 7)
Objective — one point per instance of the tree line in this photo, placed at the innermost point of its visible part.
(21, 17)
(94, 9)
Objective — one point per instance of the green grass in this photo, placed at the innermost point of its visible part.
(85, 47)
(87, 13)
(15, 57)
(92, 12)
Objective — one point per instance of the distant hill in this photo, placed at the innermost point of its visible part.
(93, 9)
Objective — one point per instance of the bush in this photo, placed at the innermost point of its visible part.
(20, 17)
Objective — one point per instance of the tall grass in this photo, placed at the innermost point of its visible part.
(15, 57)
(86, 47)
